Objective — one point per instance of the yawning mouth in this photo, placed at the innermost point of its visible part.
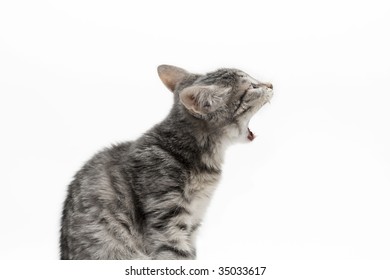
(266, 99)
(250, 136)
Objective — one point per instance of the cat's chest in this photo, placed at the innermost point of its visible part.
(199, 191)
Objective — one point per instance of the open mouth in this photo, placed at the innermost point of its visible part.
(250, 136)
(266, 97)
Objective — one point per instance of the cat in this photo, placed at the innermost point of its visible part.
(145, 199)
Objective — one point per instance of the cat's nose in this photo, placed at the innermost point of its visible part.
(268, 85)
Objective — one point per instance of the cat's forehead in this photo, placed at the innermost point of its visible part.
(228, 75)
(244, 76)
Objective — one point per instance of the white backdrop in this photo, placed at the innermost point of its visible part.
(76, 76)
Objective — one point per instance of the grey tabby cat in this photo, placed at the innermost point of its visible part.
(146, 199)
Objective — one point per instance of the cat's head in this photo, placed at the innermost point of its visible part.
(225, 100)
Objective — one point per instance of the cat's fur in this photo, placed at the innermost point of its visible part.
(146, 199)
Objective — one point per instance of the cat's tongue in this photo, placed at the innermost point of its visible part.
(250, 136)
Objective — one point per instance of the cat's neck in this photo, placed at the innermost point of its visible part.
(192, 140)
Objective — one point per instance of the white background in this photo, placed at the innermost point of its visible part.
(76, 76)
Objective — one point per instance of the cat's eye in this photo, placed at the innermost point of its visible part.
(254, 85)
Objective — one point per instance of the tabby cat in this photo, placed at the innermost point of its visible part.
(145, 199)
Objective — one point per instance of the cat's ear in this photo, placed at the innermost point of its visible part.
(171, 75)
(203, 99)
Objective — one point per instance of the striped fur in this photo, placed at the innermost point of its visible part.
(146, 199)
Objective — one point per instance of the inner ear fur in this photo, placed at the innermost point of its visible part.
(203, 99)
(171, 75)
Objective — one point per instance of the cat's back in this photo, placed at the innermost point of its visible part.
(97, 203)
(97, 170)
